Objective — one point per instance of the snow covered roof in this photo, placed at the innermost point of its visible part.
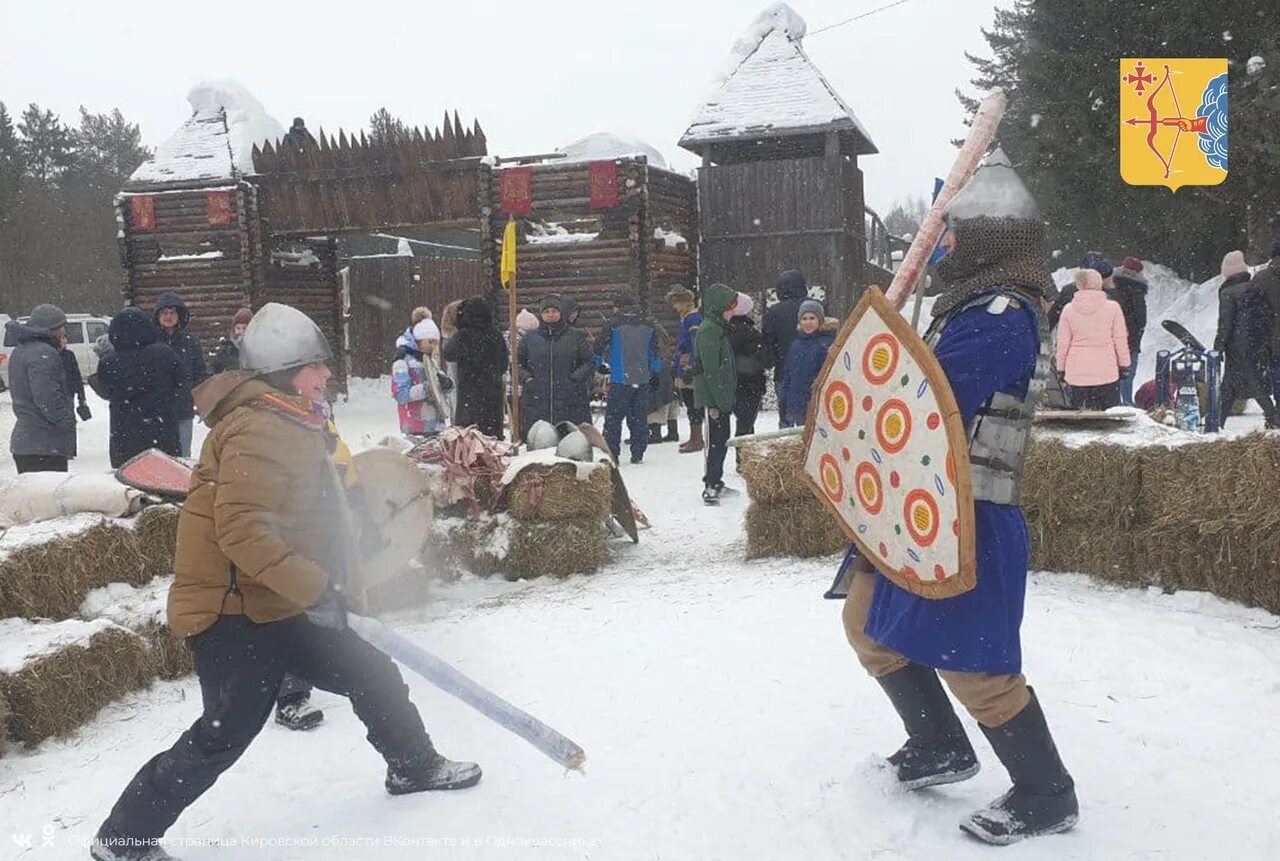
(602, 145)
(215, 144)
(770, 88)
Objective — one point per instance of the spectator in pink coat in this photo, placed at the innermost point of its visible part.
(1093, 345)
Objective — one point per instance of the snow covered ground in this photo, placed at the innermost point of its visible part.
(723, 715)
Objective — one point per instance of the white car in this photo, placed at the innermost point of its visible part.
(82, 331)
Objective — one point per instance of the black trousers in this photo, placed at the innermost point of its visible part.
(746, 408)
(696, 413)
(241, 665)
(717, 448)
(39, 463)
(1102, 397)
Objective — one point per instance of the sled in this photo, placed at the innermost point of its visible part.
(157, 473)
(1179, 331)
(1048, 417)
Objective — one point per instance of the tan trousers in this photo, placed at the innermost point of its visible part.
(992, 700)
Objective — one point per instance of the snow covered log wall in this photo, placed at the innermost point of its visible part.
(638, 244)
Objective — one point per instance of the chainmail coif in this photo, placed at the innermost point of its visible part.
(994, 252)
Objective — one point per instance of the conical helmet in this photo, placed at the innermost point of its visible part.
(995, 191)
(280, 337)
(542, 434)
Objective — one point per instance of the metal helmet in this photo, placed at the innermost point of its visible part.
(280, 337)
(542, 434)
(575, 446)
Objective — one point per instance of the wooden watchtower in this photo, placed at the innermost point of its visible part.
(779, 187)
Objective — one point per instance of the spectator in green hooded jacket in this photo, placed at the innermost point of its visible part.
(715, 382)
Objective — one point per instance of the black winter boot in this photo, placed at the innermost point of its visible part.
(1043, 797)
(655, 434)
(297, 713)
(673, 432)
(432, 772)
(937, 749)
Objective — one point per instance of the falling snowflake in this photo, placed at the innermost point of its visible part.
(1255, 65)
(1226, 35)
(1097, 103)
(1035, 120)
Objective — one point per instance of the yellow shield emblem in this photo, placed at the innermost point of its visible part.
(1173, 121)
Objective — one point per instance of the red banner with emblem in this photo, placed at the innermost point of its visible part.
(218, 207)
(602, 179)
(515, 187)
(142, 213)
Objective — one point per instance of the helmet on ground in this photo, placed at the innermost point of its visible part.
(280, 337)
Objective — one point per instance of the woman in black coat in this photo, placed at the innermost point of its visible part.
(481, 355)
(146, 385)
(555, 364)
(1244, 326)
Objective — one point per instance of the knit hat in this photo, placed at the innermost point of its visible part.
(422, 312)
(1133, 264)
(1275, 248)
(680, 293)
(242, 317)
(1095, 261)
(1089, 279)
(552, 301)
(1233, 264)
(426, 330)
(744, 306)
(526, 320)
(812, 306)
(47, 317)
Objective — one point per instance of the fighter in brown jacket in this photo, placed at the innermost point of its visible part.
(266, 554)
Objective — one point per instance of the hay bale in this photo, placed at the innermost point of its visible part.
(171, 657)
(60, 691)
(157, 532)
(50, 579)
(1096, 485)
(554, 493)
(557, 549)
(499, 544)
(774, 470)
(1107, 553)
(799, 527)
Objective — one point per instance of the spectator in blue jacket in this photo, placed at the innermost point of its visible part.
(629, 346)
(816, 333)
(685, 303)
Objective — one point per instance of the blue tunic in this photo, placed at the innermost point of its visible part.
(977, 632)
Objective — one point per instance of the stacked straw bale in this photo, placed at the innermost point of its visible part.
(554, 493)
(500, 544)
(784, 518)
(50, 580)
(58, 692)
(1201, 516)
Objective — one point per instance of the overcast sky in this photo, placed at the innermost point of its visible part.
(536, 75)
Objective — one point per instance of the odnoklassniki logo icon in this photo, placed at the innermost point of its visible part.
(1173, 121)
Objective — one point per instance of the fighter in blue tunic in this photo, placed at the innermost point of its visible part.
(990, 337)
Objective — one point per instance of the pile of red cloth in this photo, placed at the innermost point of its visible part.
(473, 464)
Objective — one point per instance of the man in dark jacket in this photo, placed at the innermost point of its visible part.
(481, 355)
(1131, 293)
(1267, 282)
(629, 346)
(752, 359)
(780, 328)
(580, 409)
(226, 353)
(44, 433)
(555, 362)
(146, 385)
(172, 319)
(1244, 325)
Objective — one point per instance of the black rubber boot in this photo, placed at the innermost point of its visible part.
(432, 772)
(1043, 797)
(655, 434)
(673, 432)
(937, 749)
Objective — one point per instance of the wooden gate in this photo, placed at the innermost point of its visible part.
(384, 293)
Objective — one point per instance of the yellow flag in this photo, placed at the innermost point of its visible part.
(507, 269)
(1164, 141)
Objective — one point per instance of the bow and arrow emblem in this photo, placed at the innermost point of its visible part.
(1155, 121)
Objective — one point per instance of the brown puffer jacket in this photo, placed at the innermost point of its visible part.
(266, 503)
